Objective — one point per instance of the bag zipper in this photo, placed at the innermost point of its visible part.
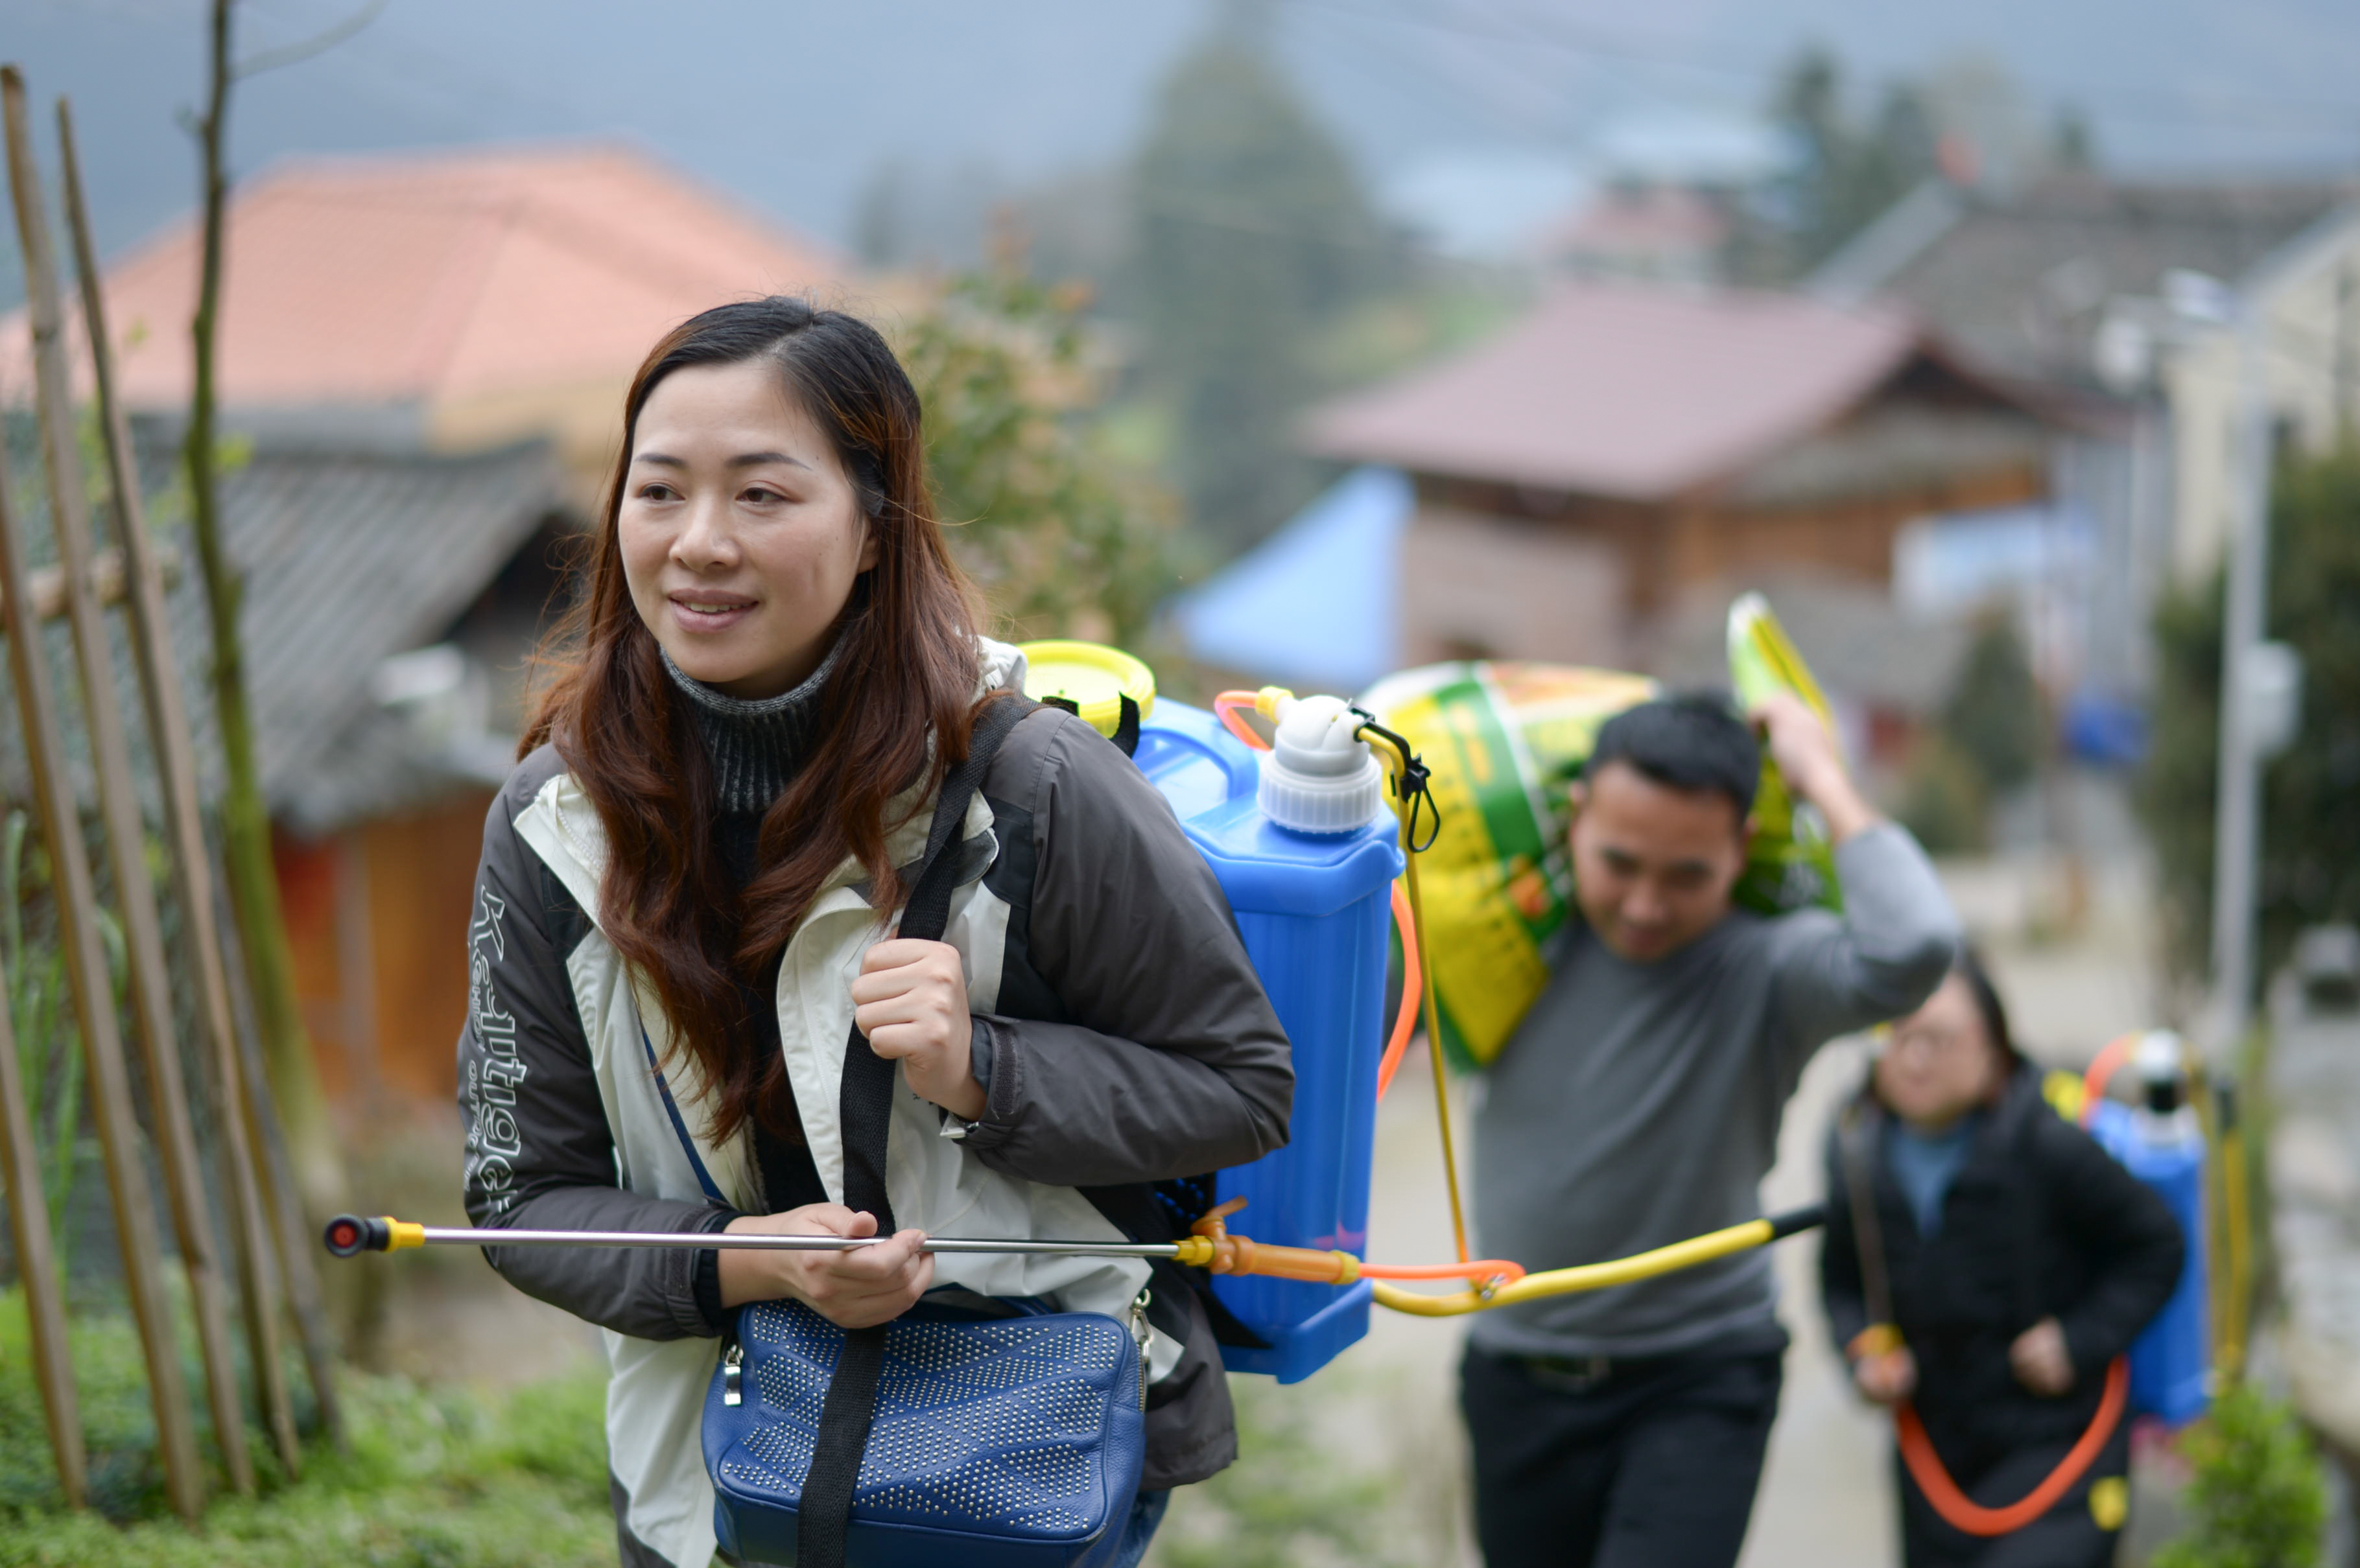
(733, 1374)
(1139, 1331)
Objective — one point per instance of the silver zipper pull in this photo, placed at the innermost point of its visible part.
(733, 1375)
(1140, 1330)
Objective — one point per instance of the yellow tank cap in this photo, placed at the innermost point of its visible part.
(1092, 677)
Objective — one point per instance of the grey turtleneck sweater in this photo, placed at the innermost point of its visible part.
(756, 746)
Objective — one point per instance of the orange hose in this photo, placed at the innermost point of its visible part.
(1211, 1244)
(1412, 985)
(1962, 1513)
(1478, 1271)
(2101, 1073)
(1225, 708)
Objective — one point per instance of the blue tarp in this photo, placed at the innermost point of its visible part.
(1316, 605)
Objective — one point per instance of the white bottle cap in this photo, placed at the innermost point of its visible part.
(1317, 778)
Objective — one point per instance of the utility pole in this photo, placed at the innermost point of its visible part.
(2260, 680)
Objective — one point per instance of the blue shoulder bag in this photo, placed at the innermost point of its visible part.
(991, 1434)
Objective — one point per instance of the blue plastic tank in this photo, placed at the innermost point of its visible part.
(2171, 1360)
(1314, 911)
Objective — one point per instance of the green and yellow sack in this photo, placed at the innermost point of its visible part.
(1503, 740)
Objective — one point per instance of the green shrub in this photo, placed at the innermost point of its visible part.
(2256, 1495)
(435, 1478)
(2309, 871)
(1944, 803)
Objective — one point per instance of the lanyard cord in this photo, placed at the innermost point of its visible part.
(1412, 801)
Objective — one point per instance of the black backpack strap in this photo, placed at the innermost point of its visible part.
(865, 1110)
(1126, 725)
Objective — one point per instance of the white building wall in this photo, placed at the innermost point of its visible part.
(2309, 295)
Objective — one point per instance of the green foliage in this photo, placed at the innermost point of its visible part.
(1943, 801)
(1987, 739)
(1850, 169)
(47, 1058)
(1063, 541)
(435, 1478)
(1993, 714)
(1253, 237)
(2256, 1494)
(2310, 835)
(1285, 1503)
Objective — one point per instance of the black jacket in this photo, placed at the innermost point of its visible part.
(2039, 1223)
(1132, 1045)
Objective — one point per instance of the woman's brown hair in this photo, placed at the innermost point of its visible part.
(905, 675)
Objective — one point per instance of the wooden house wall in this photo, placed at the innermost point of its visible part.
(1491, 568)
(378, 918)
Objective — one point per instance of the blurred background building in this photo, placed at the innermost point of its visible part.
(1445, 330)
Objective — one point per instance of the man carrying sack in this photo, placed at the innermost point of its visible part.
(1637, 1105)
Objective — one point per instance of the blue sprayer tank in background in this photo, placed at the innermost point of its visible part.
(2171, 1360)
(1314, 911)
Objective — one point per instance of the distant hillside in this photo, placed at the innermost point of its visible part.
(793, 105)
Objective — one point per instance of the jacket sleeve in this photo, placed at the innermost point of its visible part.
(540, 1155)
(2128, 1231)
(1170, 1061)
(1882, 958)
(1841, 1291)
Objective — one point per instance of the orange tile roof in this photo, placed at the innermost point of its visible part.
(443, 276)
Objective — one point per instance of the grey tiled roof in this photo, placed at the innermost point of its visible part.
(347, 557)
(347, 560)
(2015, 285)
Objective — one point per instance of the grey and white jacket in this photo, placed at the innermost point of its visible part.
(1128, 1042)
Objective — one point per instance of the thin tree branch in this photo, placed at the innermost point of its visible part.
(294, 54)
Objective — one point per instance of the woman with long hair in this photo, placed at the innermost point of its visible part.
(686, 902)
(2016, 1259)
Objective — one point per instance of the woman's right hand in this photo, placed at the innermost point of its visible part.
(858, 1287)
(1888, 1378)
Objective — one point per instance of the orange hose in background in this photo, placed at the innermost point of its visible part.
(1962, 1513)
(2101, 1073)
(1413, 986)
(1225, 708)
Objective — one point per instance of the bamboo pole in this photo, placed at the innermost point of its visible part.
(78, 906)
(126, 830)
(86, 975)
(247, 869)
(36, 1272)
(168, 738)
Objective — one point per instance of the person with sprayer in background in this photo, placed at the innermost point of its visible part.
(1638, 1104)
(1985, 1263)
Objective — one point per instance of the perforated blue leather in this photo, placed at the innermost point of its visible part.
(1009, 1443)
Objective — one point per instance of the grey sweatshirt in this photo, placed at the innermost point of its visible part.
(1638, 1104)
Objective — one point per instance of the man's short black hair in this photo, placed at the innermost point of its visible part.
(1692, 741)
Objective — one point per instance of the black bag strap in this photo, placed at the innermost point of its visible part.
(1856, 1139)
(865, 1110)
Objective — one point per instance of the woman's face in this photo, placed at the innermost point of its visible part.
(1939, 1062)
(741, 533)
